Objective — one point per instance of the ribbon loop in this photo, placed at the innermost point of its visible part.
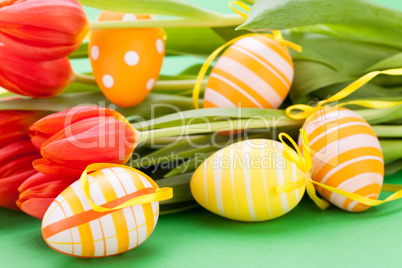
(233, 5)
(307, 110)
(159, 195)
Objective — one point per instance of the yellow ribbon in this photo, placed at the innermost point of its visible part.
(276, 35)
(303, 111)
(159, 195)
(304, 162)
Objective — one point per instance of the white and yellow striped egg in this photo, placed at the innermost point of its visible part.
(254, 72)
(346, 154)
(72, 227)
(239, 181)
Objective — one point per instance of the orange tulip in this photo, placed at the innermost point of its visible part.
(71, 140)
(39, 191)
(33, 78)
(42, 29)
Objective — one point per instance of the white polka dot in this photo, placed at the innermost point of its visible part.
(129, 17)
(160, 46)
(131, 58)
(107, 81)
(94, 52)
(150, 84)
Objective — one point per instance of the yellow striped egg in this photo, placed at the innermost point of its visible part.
(346, 154)
(72, 227)
(255, 72)
(239, 181)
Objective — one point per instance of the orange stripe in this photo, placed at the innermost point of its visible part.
(90, 215)
(364, 191)
(230, 93)
(354, 169)
(341, 134)
(149, 218)
(245, 87)
(282, 51)
(71, 232)
(323, 126)
(259, 69)
(85, 231)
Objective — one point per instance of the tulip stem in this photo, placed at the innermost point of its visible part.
(84, 79)
(223, 21)
(209, 127)
(162, 85)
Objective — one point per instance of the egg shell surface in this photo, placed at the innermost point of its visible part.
(239, 181)
(70, 226)
(254, 72)
(346, 154)
(126, 62)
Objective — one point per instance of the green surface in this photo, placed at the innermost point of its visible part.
(305, 237)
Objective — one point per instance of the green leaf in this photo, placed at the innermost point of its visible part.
(284, 14)
(154, 105)
(388, 131)
(81, 52)
(392, 149)
(379, 116)
(393, 167)
(158, 7)
(394, 61)
(273, 117)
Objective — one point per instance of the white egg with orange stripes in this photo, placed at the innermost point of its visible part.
(346, 154)
(255, 71)
(240, 181)
(72, 227)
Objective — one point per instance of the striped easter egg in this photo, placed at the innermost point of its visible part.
(72, 227)
(239, 181)
(254, 72)
(126, 62)
(346, 154)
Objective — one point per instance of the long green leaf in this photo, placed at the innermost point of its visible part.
(159, 7)
(284, 14)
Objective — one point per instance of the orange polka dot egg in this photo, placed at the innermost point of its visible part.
(255, 72)
(70, 226)
(346, 154)
(126, 62)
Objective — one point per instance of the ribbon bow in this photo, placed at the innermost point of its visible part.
(303, 111)
(303, 161)
(159, 195)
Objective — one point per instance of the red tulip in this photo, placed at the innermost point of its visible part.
(16, 166)
(39, 191)
(42, 29)
(32, 77)
(16, 153)
(71, 140)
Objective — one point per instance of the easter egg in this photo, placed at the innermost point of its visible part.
(346, 154)
(254, 72)
(126, 62)
(239, 181)
(72, 227)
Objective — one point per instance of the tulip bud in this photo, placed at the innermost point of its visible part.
(42, 29)
(69, 141)
(39, 191)
(33, 78)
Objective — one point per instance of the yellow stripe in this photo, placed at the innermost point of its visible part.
(228, 198)
(240, 189)
(120, 224)
(85, 231)
(288, 177)
(257, 183)
(149, 218)
(213, 206)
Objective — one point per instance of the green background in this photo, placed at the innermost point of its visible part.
(306, 236)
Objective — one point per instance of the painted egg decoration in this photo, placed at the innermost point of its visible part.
(346, 154)
(126, 62)
(254, 72)
(239, 181)
(70, 226)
